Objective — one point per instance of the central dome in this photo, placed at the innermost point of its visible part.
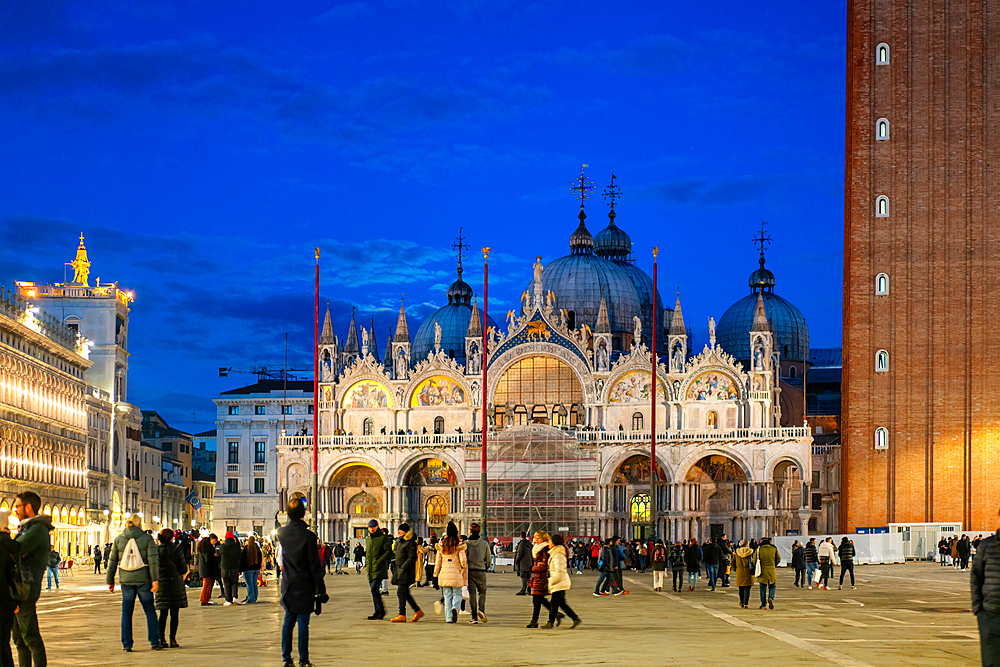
(454, 321)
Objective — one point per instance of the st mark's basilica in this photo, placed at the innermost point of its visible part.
(568, 406)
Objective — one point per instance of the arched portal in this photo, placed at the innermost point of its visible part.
(531, 388)
(787, 497)
(430, 494)
(630, 482)
(717, 495)
(355, 490)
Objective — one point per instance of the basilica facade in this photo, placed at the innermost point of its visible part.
(570, 404)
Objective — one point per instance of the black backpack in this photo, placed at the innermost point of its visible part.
(20, 579)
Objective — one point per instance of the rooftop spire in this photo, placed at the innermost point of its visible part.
(603, 322)
(581, 242)
(475, 322)
(387, 360)
(677, 323)
(760, 322)
(402, 332)
(371, 335)
(352, 346)
(327, 337)
(761, 278)
(81, 265)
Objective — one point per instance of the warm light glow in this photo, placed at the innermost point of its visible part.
(156, 519)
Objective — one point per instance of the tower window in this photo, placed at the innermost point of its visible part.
(881, 438)
(882, 207)
(881, 361)
(882, 284)
(882, 54)
(882, 129)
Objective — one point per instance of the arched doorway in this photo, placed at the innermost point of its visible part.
(430, 491)
(717, 497)
(787, 498)
(355, 495)
(628, 495)
(533, 388)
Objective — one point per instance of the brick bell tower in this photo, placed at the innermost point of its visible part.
(921, 397)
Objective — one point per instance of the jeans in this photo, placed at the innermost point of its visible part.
(846, 565)
(27, 638)
(693, 578)
(339, 567)
(766, 593)
(712, 572)
(606, 579)
(678, 579)
(291, 620)
(477, 592)
(989, 637)
(744, 595)
(452, 600)
(250, 577)
(52, 572)
(129, 594)
(559, 600)
(403, 595)
(810, 568)
(376, 586)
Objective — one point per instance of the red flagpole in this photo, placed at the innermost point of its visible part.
(652, 422)
(482, 480)
(315, 480)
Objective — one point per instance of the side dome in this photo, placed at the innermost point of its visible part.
(613, 242)
(454, 320)
(644, 290)
(791, 333)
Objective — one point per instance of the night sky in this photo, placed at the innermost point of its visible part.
(205, 149)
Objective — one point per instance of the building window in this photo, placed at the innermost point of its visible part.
(640, 508)
(713, 419)
(258, 409)
(234, 452)
(882, 54)
(232, 485)
(637, 421)
(881, 361)
(310, 408)
(881, 284)
(791, 372)
(234, 409)
(882, 207)
(881, 438)
(259, 453)
(439, 424)
(368, 426)
(288, 409)
(882, 129)
(258, 485)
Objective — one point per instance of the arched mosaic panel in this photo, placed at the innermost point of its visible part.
(633, 387)
(367, 395)
(712, 386)
(355, 476)
(437, 390)
(428, 472)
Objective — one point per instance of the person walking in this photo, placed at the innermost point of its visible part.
(229, 564)
(846, 554)
(943, 551)
(985, 578)
(338, 553)
(496, 552)
(207, 569)
(826, 556)
(559, 582)
(378, 552)
(768, 556)
(522, 562)
(52, 569)
(744, 563)
(171, 596)
(539, 576)
(712, 555)
(404, 552)
(810, 555)
(964, 551)
(478, 555)
(250, 562)
(799, 564)
(604, 566)
(32, 547)
(658, 562)
(303, 581)
(98, 557)
(138, 558)
(451, 568)
(107, 554)
(359, 557)
(953, 552)
(431, 561)
(677, 565)
(617, 561)
(692, 563)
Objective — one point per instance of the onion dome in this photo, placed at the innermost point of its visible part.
(580, 241)
(612, 242)
(454, 322)
(459, 291)
(762, 278)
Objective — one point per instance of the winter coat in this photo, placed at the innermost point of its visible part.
(478, 554)
(727, 551)
(32, 546)
(809, 553)
(404, 552)
(251, 558)
(692, 558)
(208, 565)
(147, 549)
(954, 548)
(301, 569)
(826, 552)
(170, 591)
(229, 554)
(943, 547)
(846, 551)
(677, 557)
(540, 569)
(452, 569)
(359, 553)
(964, 548)
(378, 553)
(799, 558)
(659, 558)
(558, 576)
(744, 562)
(769, 559)
(7, 602)
(338, 551)
(986, 576)
(712, 553)
(522, 557)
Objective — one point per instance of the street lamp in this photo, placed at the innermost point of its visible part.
(156, 519)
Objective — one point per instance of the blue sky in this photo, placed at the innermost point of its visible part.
(204, 149)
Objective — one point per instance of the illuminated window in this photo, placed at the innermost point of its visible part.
(881, 438)
(234, 409)
(363, 504)
(538, 381)
(258, 409)
(882, 207)
(713, 419)
(637, 421)
(882, 54)
(881, 361)
(437, 511)
(640, 508)
(368, 426)
(882, 129)
(288, 409)
(881, 284)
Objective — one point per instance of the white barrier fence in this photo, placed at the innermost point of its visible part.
(868, 549)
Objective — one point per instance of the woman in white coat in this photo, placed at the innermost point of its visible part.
(559, 581)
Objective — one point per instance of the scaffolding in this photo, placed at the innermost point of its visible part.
(538, 478)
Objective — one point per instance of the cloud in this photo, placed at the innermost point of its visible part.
(727, 190)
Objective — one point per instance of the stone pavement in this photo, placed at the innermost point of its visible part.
(913, 614)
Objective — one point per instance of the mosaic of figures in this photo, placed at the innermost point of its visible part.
(431, 472)
(438, 390)
(367, 395)
(712, 386)
(716, 468)
(634, 387)
(635, 470)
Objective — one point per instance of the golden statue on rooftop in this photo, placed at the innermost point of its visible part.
(81, 265)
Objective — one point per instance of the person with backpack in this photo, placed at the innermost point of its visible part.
(52, 569)
(985, 580)
(605, 567)
(659, 564)
(677, 565)
(404, 552)
(478, 556)
(171, 596)
(134, 553)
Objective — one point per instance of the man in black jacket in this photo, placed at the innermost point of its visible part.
(302, 583)
(846, 554)
(711, 556)
(986, 598)
(522, 562)
(727, 558)
(404, 572)
(229, 563)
